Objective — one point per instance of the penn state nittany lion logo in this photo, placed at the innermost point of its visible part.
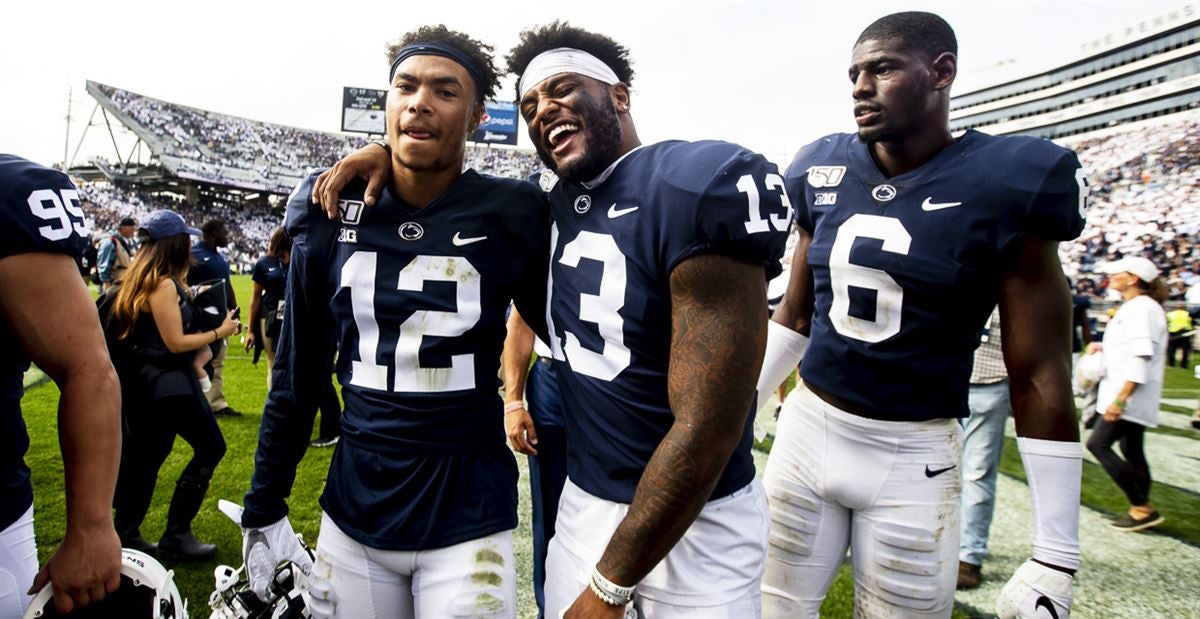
(411, 231)
(583, 203)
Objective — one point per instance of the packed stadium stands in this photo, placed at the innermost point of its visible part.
(1144, 200)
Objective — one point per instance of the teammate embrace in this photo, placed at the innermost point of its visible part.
(659, 256)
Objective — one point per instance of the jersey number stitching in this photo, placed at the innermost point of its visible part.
(358, 274)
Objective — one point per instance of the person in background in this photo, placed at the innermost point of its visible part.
(538, 431)
(46, 317)
(1180, 331)
(210, 265)
(115, 253)
(162, 395)
(1134, 347)
(266, 302)
(983, 444)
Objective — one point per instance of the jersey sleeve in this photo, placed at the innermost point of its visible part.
(259, 273)
(303, 366)
(530, 296)
(794, 183)
(742, 210)
(1057, 206)
(40, 210)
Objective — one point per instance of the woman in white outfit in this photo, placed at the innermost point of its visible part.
(1134, 346)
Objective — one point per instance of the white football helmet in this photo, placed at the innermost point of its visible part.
(233, 598)
(147, 591)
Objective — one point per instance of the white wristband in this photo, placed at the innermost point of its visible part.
(1054, 469)
(785, 349)
(610, 592)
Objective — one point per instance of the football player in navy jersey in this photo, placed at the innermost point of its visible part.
(661, 255)
(909, 238)
(47, 316)
(420, 501)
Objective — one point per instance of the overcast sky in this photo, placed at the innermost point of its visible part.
(769, 75)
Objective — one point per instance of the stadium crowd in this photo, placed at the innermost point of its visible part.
(1144, 201)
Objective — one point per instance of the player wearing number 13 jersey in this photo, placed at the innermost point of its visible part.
(659, 265)
(909, 238)
(420, 499)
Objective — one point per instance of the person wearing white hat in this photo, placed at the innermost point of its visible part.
(1134, 347)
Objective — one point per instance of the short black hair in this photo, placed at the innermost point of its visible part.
(917, 31)
(476, 50)
(213, 226)
(127, 221)
(562, 34)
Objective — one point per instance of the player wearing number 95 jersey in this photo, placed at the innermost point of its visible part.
(420, 500)
(908, 239)
(47, 317)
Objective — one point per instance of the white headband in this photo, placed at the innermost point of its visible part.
(565, 60)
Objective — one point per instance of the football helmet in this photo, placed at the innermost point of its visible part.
(147, 590)
(233, 598)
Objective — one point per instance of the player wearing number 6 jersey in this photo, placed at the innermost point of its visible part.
(909, 238)
(420, 501)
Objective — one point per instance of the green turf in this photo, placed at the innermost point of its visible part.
(1099, 492)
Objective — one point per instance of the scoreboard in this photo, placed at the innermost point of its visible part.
(363, 110)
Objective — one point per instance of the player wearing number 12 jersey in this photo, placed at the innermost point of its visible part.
(909, 238)
(420, 500)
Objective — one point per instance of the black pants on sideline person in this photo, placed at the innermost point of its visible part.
(150, 430)
(1131, 474)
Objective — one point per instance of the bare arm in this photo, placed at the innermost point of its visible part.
(370, 162)
(717, 339)
(1035, 309)
(56, 322)
(795, 311)
(518, 348)
(255, 314)
(164, 306)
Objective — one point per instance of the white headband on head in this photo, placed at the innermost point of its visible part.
(565, 60)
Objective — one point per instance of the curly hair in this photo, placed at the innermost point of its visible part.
(917, 31)
(562, 34)
(476, 50)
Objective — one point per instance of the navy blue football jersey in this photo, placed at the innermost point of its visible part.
(907, 269)
(39, 213)
(414, 302)
(614, 247)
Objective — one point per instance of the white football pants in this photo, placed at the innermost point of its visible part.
(713, 572)
(18, 566)
(472, 579)
(888, 490)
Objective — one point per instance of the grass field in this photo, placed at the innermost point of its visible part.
(245, 388)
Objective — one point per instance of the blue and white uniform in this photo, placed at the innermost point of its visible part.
(905, 271)
(414, 302)
(615, 242)
(39, 213)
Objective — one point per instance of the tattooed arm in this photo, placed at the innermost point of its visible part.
(718, 331)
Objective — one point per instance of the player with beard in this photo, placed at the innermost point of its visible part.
(908, 239)
(421, 497)
(661, 255)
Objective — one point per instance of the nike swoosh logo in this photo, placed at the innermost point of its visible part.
(930, 205)
(459, 241)
(935, 472)
(1044, 602)
(614, 212)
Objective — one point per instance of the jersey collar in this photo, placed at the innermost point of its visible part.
(610, 169)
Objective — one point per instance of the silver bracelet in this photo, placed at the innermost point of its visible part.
(609, 592)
